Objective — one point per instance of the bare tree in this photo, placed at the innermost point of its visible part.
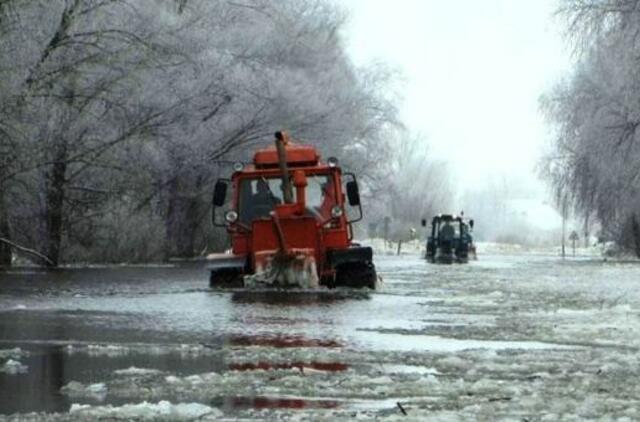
(594, 163)
(115, 114)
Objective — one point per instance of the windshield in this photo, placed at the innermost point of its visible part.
(449, 230)
(259, 196)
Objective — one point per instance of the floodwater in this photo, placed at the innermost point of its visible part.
(513, 336)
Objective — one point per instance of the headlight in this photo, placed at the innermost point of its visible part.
(336, 212)
(238, 166)
(231, 216)
(332, 161)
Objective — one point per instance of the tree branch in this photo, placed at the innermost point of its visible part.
(26, 250)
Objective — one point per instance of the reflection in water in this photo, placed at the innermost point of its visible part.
(260, 402)
(281, 341)
(297, 297)
(39, 388)
(52, 367)
(123, 308)
(267, 366)
(101, 281)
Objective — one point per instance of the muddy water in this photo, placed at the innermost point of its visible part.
(85, 325)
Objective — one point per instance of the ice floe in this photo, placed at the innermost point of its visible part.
(15, 353)
(163, 410)
(13, 367)
(96, 391)
(133, 371)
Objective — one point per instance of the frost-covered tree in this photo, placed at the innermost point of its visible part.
(81, 88)
(421, 186)
(117, 114)
(594, 164)
(279, 65)
(411, 187)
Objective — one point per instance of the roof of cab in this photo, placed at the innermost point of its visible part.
(297, 155)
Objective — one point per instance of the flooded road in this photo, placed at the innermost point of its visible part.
(516, 337)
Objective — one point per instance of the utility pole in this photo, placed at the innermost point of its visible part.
(564, 224)
(386, 220)
(586, 229)
(574, 239)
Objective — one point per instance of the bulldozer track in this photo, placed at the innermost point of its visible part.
(225, 278)
(356, 275)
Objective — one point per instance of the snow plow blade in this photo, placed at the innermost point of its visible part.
(226, 270)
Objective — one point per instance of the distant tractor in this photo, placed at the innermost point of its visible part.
(450, 240)
(288, 222)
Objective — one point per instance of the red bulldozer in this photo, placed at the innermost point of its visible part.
(287, 216)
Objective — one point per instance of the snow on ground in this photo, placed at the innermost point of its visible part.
(493, 248)
(417, 247)
(383, 247)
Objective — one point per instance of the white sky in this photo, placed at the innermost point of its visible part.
(474, 71)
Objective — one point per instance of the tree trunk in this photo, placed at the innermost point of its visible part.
(5, 249)
(635, 229)
(564, 225)
(586, 229)
(182, 220)
(55, 203)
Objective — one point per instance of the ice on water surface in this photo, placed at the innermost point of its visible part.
(511, 336)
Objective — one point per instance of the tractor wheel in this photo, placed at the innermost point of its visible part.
(356, 275)
(328, 281)
(225, 278)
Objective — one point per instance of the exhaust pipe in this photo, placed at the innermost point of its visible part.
(282, 139)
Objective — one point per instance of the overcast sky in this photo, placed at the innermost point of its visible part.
(474, 71)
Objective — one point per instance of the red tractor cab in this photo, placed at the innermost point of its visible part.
(287, 218)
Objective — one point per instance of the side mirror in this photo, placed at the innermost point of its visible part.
(423, 222)
(219, 193)
(471, 223)
(353, 194)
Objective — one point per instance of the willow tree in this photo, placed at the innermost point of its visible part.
(594, 164)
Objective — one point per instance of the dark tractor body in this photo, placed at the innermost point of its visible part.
(450, 240)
